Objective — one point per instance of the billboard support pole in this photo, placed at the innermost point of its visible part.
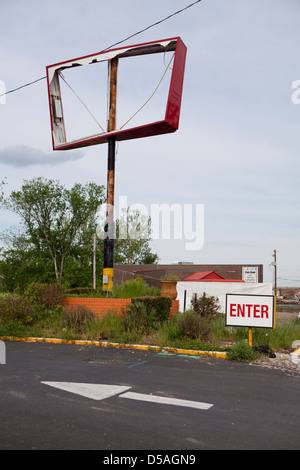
(108, 260)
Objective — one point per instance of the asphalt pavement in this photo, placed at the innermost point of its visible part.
(71, 397)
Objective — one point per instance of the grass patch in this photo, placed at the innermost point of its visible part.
(144, 323)
(135, 288)
(129, 290)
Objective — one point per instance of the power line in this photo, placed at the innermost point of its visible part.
(154, 24)
(22, 86)
(115, 44)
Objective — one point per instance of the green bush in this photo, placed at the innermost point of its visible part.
(16, 309)
(160, 305)
(139, 318)
(242, 352)
(193, 326)
(10, 328)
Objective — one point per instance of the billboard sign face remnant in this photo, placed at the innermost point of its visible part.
(253, 311)
(164, 124)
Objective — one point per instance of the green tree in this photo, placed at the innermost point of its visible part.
(133, 234)
(56, 219)
(20, 263)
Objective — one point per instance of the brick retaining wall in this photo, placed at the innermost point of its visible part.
(100, 305)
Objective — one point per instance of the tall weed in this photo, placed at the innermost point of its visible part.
(77, 317)
(134, 288)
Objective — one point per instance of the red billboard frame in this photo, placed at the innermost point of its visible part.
(169, 124)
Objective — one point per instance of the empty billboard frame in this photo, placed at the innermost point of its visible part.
(168, 124)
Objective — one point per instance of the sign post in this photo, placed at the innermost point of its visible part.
(250, 337)
(252, 311)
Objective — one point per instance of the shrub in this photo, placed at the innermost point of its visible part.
(77, 317)
(10, 328)
(205, 306)
(160, 305)
(47, 296)
(139, 318)
(16, 309)
(242, 352)
(193, 326)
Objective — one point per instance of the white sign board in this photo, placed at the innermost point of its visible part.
(253, 311)
(250, 274)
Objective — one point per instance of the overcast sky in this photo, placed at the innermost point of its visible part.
(237, 148)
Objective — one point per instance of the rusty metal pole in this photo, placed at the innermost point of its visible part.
(108, 261)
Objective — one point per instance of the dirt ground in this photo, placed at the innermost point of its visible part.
(283, 360)
(286, 316)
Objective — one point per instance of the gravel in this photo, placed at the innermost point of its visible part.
(281, 362)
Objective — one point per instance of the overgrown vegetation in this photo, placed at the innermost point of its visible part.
(45, 296)
(77, 318)
(135, 288)
(54, 242)
(38, 312)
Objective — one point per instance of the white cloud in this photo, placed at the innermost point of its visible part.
(24, 156)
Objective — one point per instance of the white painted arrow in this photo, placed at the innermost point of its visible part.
(167, 400)
(101, 391)
(94, 391)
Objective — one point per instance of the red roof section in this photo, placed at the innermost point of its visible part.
(209, 276)
(204, 276)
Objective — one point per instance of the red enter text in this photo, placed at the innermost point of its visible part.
(249, 310)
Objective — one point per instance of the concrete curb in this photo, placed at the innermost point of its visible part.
(107, 344)
(295, 356)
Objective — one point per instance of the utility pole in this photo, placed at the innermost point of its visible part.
(108, 261)
(275, 286)
(275, 272)
(94, 262)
